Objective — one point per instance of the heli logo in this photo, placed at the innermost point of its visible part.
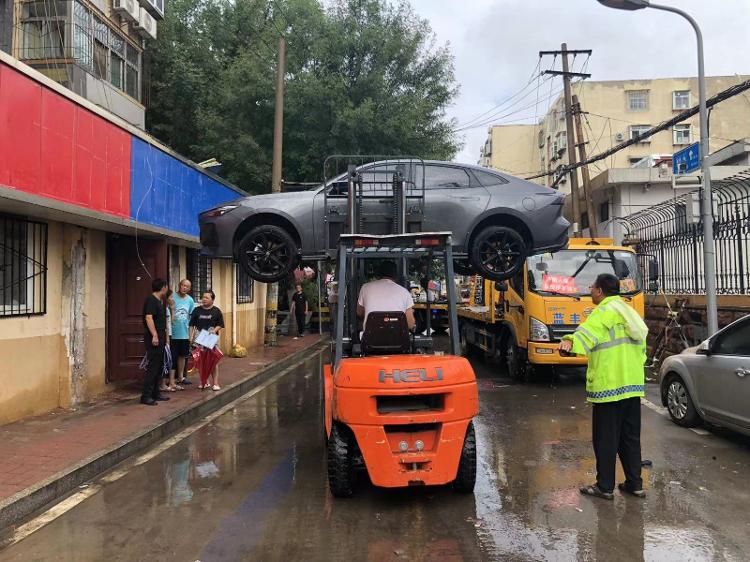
(410, 375)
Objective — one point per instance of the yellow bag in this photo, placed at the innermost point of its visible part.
(238, 350)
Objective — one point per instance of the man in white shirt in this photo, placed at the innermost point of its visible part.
(385, 295)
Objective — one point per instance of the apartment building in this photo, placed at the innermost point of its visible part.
(614, 112)
(93, 47)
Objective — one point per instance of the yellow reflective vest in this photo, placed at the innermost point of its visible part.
(616, 358)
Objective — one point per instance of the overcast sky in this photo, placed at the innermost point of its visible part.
(496, 46)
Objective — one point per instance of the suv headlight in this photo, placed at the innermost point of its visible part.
(538, 331)
(219, 211)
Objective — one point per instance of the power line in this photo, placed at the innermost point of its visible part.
(534, 74)
(496, 118)
(718, 98)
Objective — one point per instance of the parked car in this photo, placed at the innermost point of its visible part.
(497, 220)
(711, 382)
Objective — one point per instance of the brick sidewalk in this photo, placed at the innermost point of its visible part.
(36, 450)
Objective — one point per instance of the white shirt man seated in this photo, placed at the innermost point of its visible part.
(385, 295)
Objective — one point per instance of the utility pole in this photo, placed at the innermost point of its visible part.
(272, 290)
(593, 230)
(566, 74)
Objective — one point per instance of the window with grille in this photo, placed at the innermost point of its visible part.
(681, 99)
(245, 286)
(637, 100)
(681, 134)
(23, 267)
(636, 130)
(199, 272)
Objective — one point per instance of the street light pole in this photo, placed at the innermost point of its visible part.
(709, 250)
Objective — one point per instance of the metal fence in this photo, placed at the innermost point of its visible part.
(672, 232)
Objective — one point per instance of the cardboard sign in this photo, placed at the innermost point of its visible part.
(559, 284)
(627, 285)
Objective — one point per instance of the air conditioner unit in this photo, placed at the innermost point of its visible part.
(146, 25)
(619, 137)
(154, 7)
(128, 9)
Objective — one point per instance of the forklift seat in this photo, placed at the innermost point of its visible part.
(386, 333)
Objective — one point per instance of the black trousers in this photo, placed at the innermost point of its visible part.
(154, 372)
(617, 432)
(300, 318)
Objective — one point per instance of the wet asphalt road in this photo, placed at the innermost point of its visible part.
(251, 485)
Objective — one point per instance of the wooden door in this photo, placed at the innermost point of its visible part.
(129, 275)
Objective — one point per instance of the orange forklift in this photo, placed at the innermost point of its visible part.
(395, 407)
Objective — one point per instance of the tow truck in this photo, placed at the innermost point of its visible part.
(520, 322)
(393, 406)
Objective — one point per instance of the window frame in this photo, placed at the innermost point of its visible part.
(634, 128)
(630, 96)
(743, 324)
(604, 205)
(675, 94)
(31, 248)
(471, 179)
(681, 127)
(244, 294)
(199, 272)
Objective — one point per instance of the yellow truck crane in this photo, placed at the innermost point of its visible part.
(520, 321)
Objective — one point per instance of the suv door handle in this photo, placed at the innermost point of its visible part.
(741, 372)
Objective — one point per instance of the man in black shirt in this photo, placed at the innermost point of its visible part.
(207, 317)
(299, 308)
(154, 338)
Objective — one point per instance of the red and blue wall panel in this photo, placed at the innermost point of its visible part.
(52, 147)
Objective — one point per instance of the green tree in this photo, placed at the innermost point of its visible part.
(362, 77)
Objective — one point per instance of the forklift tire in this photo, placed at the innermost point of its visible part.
(340, 459)
(498, 253)
(467, 466)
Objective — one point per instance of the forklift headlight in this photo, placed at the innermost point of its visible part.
(538, 331)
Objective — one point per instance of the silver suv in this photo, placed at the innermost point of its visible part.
(497, 220)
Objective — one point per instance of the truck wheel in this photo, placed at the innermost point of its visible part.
(513, 360)
(467, 350)
(467, 466)
(340, 459)
(498, 253)
(267, 253)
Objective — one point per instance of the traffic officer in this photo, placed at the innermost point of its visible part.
(614, 339)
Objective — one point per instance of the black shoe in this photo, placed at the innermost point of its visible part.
(162, 398)
(625, 488)
(596, 492)
(185, 381)
(149, 402)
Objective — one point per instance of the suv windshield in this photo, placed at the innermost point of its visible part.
(571, 272)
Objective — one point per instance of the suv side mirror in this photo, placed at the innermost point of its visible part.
(705, 347)
(501, 286)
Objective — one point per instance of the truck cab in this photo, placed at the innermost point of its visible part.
(522, 321)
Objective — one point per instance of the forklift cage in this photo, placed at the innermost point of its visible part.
(373, 194)
(354, 248)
